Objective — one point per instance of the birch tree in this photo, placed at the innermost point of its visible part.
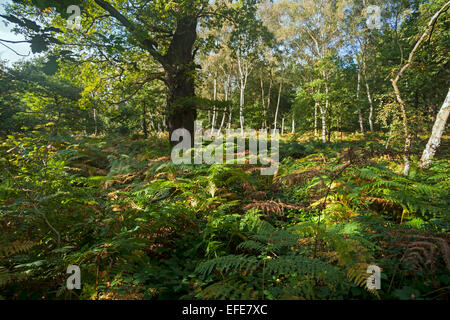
(401, 102)
(436, 134)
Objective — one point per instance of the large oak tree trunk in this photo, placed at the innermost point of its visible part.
(180, 72)
(181, 111)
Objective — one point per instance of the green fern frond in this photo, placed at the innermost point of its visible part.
(227, 263)
(16, 247)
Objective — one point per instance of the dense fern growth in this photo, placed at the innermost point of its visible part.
(6, 251)
(141, 227)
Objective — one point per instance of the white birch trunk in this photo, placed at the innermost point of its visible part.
(263, 100)
(269, 93)
(358, 90)
(397, 90)
(278, 105)
(324, 124)
(213, 121)
(436, 134)
(293, 125)
(243, 67)
(324, 113)
(369, 96)
(315, 120)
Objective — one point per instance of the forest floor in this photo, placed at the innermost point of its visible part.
(141, 227)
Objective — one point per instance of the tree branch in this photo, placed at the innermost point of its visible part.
(148, 44)
(22, 55)
(154, 76)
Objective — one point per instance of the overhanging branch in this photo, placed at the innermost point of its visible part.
(154, 76)
(148, 44)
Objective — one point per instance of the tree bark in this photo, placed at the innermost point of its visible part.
(144, 121)
(269, 93)
(95, 121)
(293, 125)
(243, 67)
(397, 90)
(230, 115)
(324, 124)
(369, 96)
(213, 122)
(358, 90)
(391, 132)
(225, 87)
(323, 112)
(278, 104)
(315, 120)
(180, 69)
(436, 135)
(152, 123)
(263, 100)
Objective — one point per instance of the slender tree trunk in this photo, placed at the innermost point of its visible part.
(330, 125)
(278, 104)
(230, 115)
(293, 125)
(144, 121)
(263, 100)
(222, 122)
(407, 147)
(397, 91)
(436, 134)
(152, 123)
(226, 86)
(339, 126)
(391, 132)
(241, 110)
(323, 112)
(315, 120)
(369, 96)
(213, 122)
(243, 76)
(282, 126)
(269, 93)
(95, 121)
(324, 124)
(358, 90)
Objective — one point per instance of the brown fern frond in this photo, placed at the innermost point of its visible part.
(270, 206)
(423, 252)
(299, 177)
